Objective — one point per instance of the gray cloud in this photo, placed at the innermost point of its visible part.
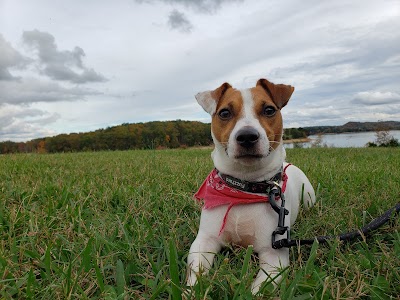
(6, 75)
(355, 68)
(177, 20)
(376, 98)
(203, 6)
(17, 94)
(10, 58)
(31, 90)
(60, 65)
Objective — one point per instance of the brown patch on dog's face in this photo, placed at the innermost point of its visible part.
(279, 93)
(229, 110)
(272, 124)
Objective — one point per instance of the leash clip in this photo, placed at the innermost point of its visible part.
(275, 192)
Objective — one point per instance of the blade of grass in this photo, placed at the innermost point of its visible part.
(120, 278)
(87, 256)
(30, 284)
(99, 277)
(159, 289)
(310, 262)
(47, 261)
(241, 289)
(173, 271)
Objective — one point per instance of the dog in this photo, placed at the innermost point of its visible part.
(247, 131)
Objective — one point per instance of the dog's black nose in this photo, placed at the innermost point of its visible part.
(247, 137)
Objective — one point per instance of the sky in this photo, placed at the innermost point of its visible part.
(77, 66)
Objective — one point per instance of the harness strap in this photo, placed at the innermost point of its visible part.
(261, 187)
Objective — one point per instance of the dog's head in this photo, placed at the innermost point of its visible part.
(246, 124)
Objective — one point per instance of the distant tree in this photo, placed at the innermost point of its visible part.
(318, 142)
(41, 147)
(294, 133)
(8, 147)
(383, 138)
(393, 143)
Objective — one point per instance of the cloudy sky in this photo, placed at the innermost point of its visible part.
(76, 66)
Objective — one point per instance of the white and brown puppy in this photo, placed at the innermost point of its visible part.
(247, 131)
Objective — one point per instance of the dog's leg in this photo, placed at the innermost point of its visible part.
(201, 256)
(271, 263)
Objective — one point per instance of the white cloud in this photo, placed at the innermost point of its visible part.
(21, 123)
(377, 98)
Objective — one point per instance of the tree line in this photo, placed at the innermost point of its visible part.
(150, 135)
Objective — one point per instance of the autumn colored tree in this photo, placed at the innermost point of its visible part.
(41, 147)
(150, 135)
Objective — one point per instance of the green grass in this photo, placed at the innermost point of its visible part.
(118, 225)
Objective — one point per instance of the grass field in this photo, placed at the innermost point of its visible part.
(118, 225)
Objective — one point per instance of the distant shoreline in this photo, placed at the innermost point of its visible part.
(302, 140)
(353, 127)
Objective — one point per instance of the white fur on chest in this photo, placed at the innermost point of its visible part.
(248, 225)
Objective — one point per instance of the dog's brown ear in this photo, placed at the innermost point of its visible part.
(279, 93)
(209, 99)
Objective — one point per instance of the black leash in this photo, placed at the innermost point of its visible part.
(276, 193)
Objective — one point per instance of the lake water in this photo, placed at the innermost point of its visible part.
(346, 140)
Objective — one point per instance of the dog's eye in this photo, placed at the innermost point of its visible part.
(269, 111)
(225, 114)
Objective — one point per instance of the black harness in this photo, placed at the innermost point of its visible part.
(274, 192)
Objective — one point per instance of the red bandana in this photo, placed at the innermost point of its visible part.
(215, 192)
